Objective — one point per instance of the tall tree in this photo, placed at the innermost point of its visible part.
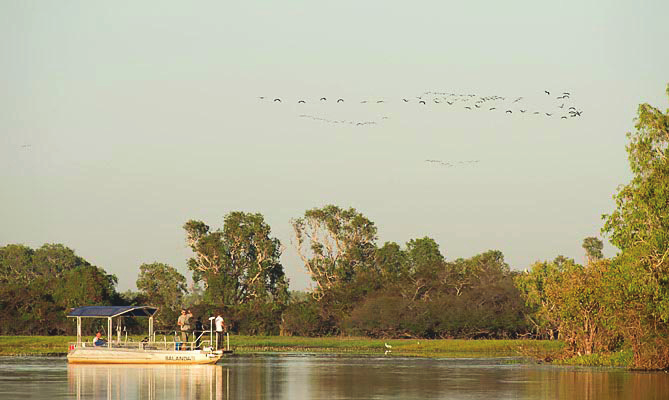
(209, 248)
(238, 264)
(334, 244)
(163, 286)
(640, 228)
(593, 249)
(425, 263)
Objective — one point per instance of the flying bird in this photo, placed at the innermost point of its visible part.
(301, 101)
(323, 99)
(522, 111)
(421, 102)
(547, 92)
(340, 100)
(277, 99)
(509, 111)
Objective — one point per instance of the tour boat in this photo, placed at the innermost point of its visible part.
(147, 351)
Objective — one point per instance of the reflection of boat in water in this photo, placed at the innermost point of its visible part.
(149, 351)
(149, 382)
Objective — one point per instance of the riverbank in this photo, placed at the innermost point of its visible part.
(549, 351)
(446, 348)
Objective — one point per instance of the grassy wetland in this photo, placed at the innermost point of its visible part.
(440, 348)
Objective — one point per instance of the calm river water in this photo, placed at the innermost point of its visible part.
(324, 377)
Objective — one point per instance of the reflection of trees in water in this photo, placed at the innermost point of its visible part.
(296, 377)
(350, 378)
(148, 381)
(570, 383)
(413, 379)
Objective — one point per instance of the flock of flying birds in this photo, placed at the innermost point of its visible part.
(560, 105)
(466, 101)
(453, 164)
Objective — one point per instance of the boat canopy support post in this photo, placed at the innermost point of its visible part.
(151, 338)
(211, 333)
(109, 331)
(78, 331)
(119, 322)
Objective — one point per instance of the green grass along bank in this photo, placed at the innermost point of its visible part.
(541, 350)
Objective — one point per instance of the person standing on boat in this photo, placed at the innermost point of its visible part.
(220, 328)
(184, 325)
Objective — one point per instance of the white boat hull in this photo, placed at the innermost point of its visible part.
(104, 355)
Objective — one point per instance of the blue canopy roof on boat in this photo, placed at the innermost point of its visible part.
(112, 311)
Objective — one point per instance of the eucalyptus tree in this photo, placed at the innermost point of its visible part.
(335, 245)
(238, 264)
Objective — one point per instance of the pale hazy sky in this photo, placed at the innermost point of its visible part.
(119, 121)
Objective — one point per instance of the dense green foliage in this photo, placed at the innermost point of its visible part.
(38, 287)
(611, 305)
(568, 301)
(638, 280)
(163, 285)
(387, 291)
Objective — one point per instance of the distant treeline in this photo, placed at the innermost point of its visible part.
(37, 288)
(388, 290)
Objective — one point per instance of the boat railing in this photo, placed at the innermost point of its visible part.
(168, 342)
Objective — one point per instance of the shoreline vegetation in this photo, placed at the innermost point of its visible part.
(549, 351)
(606, 311)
